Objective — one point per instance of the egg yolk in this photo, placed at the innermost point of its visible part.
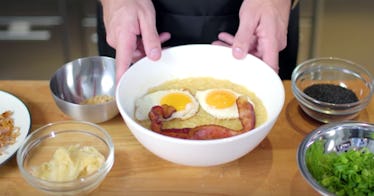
(178, 100)
(220, 99)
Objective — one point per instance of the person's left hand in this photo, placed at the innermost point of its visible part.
(262, 30)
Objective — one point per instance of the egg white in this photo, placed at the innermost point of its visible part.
(144, 104)
(229, 112)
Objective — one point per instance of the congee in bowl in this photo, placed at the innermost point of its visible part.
(199, 101)
(222, 108)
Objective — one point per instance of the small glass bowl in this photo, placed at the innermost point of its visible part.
(335, 71)
(42, 143)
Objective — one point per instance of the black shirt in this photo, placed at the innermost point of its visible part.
(200, 22)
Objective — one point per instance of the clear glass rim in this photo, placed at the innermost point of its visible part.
(72, 184)
(314, 104)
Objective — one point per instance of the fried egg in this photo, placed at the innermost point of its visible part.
(182, 100)
(219, 102)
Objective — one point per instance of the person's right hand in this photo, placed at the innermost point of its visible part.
(131, 30)
(262, 30)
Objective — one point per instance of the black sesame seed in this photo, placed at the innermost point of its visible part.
(331, 93)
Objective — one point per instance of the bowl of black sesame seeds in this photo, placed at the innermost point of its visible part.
(332, 89)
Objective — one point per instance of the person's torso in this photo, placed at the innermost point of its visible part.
(196, 21)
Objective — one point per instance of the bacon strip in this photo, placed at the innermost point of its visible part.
(204, 132)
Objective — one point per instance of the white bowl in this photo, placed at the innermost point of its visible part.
(200, 61)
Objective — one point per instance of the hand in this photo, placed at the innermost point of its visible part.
(140, 52)
(131, 30)
(262, 30)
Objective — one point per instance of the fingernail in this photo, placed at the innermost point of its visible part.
(238, 52)
(155, 54)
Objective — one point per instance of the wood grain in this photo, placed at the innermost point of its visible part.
(270, 169)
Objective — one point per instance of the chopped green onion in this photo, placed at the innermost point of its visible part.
(346, 173)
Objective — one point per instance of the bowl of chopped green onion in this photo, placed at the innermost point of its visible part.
(338, 158)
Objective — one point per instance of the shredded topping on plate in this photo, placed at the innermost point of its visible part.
(8, 132)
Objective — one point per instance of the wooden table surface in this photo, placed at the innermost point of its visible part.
(270, 169)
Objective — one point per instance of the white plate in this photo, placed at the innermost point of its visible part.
(22, 119)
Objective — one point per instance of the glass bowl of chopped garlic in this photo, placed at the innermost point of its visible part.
(66, 157)
(84, 89)
(331, 89)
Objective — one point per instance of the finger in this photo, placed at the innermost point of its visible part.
(164, 36)
(270, 54)
(124, 52)
(139, 45)
(151, 40)
(268, 44)
(220, 43)
(244, 37)
(139, 52)
(137, 55)
(254, 50)
(226, 37)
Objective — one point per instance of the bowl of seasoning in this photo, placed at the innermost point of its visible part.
(84, 89)
(337, 158)
(332, 89)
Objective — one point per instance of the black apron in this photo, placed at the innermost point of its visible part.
(200, 22)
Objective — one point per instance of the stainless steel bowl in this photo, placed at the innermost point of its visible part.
(338, 137)
(82, 79)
